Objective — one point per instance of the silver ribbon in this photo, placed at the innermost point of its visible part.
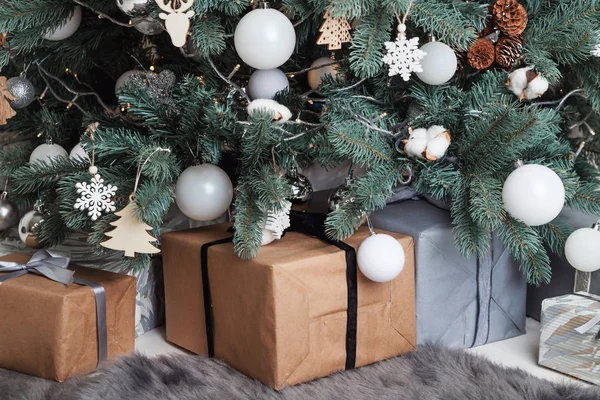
(43, 263)
(55, 267)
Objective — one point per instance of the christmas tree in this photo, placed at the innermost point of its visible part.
(503, 82)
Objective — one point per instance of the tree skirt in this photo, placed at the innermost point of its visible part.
(428, 373)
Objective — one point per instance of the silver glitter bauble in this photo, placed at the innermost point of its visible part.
(23, 90)
(301, 186)
(341, 195)
(147, 25)
(9, 216)
(135, 8)
(28, 223)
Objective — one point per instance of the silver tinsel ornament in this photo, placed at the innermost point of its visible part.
(23, 90)
(341, 195)
(135, 8)
(9, 216)
(147, 25)
(301, 187)
(159, 87)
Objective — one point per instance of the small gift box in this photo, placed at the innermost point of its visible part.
(298, 311)
(59, 320)
(570, 335)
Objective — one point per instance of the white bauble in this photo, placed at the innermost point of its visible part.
(265, 38)
(47, 152)
(315, 76)
(582, 249)
(68, 27)
(267, 237)
(533, 194)
(439, 65)
(265, 83)
(380, 258)
(79, 153)
(125, 77)
(203, 192)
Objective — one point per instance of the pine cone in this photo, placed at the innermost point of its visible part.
(481, 54)
(2, 40)
(510, 16)
(508, 50)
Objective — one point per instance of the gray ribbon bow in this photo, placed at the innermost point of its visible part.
(44, 263)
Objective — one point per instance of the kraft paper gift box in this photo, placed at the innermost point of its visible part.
(461, 302)
(298, 311)
(563, 274)
(57, 331)
(570, 337)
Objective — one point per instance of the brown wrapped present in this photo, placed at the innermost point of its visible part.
(298, 311)
(54, 330)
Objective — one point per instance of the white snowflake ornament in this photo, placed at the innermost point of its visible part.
(95, 196)
(279, 220)
(403, 56)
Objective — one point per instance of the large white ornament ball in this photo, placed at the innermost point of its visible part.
(265, 83)
(533, 194)
(203, 192)
(47, 152)
(380, 258)
(265, 38)
(125, 77)
(78, 153)
(439, 65)
(315, 76)
(582, 249)
(68, 27)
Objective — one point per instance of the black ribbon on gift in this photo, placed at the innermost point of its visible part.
(311, 225)
(55, 267)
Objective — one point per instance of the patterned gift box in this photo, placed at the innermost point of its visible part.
(569, 340)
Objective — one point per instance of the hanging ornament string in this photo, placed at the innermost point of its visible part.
(141, 166)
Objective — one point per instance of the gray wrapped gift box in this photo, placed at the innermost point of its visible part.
(563, 275)
(460, 302)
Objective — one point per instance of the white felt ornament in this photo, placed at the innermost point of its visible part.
(130, 234)
(403, 56)
(526, 83)
(279, 220)
(279, 112)
(177, 18)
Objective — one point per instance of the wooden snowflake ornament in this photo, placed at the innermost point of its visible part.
(334, 32)
(95, 197)
(130, 234)
(403, 56)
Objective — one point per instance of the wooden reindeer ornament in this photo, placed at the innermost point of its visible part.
(177, 19)
(6, 111)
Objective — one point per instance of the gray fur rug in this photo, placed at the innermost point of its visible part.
(428, 374)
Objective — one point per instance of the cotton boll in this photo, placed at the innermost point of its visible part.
(438, 141)
(280, 112)
(536, 88)
(416, 143)
(435, 130)
(517, 80)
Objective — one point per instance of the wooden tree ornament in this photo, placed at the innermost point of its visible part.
(6, 111)
(130, 234)
(334, 32)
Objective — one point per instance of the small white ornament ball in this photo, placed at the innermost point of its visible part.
(265, 38)
(380, 258)
(47, 152)
(203, 192)
(533, 194)
(68, 27)
(265, 83)
(125, 77)
(439, 65)
(315, 76)
(267, 237)
(78, 153)
(582, 249)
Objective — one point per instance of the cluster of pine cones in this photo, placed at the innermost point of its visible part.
(508, 17)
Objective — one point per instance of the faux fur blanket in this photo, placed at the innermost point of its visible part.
(428, 374)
